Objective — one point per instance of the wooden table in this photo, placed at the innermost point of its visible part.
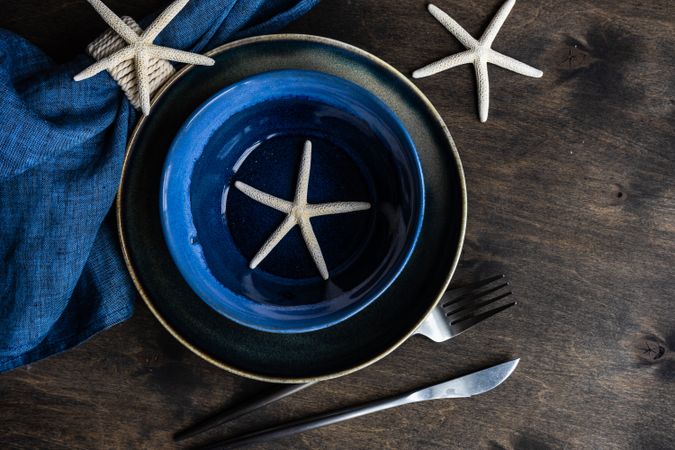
(571, 193)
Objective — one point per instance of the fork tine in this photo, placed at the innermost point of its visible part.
(473, 305)
(477, 284)
(470, 297)
(469, 321)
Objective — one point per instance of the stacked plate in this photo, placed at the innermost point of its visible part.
(293, 213)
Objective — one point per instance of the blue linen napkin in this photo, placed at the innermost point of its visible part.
(62, 278)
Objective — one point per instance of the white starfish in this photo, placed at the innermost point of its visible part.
(479, 53)
(298, 212)
(141, 48)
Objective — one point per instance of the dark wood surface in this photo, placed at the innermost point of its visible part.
(571, 193)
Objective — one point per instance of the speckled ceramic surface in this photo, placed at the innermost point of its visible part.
(233, 170)
(354, 343)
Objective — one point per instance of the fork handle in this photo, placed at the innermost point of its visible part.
(240, 409)
(310, 423)
(429, 328)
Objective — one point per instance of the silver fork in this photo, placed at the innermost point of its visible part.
(451, 316)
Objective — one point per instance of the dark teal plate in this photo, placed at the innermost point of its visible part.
(330, 352)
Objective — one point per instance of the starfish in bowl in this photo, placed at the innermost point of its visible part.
(298, 212)
(141, 48)
(478, 52)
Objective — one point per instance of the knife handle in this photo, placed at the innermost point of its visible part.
(310, 423)
(240, 409)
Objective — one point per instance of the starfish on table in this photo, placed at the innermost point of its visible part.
(479, 53)
(141, 48)
(298, 212)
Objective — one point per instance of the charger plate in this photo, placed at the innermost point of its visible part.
(330, 352)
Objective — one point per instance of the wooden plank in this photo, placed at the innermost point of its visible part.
(571, 194)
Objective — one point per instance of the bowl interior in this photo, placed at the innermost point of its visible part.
(254, 132)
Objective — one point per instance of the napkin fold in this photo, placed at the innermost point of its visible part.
(62, 143)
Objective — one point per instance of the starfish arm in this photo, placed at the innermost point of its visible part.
(271, 242)
(303, 175)
(453, 27)
(181, 56)
(162, 20)
(106, 63)
(483, 89)
(513, 65)
(263, 197)
(313, 247)
(115, 22)
(142, 79)
(446, 63)
(326, 209)
(496, 24)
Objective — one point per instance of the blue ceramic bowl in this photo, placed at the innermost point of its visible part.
(254, 132)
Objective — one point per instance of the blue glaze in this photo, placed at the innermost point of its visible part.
(253, 131)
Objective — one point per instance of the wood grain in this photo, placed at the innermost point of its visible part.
(571, 193)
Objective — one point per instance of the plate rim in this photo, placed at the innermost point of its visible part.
(313, 39)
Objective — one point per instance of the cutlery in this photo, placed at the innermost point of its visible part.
(467, 386)
(453, 316)
(448, 319)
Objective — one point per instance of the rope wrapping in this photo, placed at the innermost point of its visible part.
(125, 73)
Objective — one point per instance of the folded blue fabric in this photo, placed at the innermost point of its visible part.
(62, 144)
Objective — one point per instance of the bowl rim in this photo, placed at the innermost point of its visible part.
(177, 217)
(135, 275)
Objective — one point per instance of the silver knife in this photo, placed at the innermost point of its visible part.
(467, 386)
